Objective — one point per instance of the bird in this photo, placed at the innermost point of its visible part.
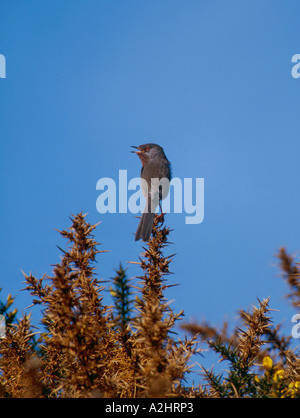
(155, 165)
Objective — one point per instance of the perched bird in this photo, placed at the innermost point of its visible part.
(155, 165)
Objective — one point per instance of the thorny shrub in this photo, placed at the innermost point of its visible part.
(87, 349)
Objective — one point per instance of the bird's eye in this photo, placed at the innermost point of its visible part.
(147, 148)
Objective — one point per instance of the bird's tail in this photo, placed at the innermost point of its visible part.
(145, 227)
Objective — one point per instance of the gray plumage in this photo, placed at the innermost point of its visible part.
(155, 165)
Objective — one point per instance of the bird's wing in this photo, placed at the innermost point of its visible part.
(155, 169)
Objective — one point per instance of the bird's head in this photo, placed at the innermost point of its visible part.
(149, 152)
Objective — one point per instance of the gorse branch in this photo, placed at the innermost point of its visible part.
(163, 362)
(121, 293)
(291, 274)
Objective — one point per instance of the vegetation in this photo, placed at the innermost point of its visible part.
(87, 349)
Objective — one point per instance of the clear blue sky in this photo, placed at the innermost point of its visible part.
(210, 81)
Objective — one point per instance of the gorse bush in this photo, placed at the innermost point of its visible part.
(87, 349)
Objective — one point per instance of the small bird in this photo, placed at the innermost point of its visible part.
(155, 165)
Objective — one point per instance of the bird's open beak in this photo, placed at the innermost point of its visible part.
(138, 148)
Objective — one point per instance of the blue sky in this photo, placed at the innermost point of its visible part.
(210, 81)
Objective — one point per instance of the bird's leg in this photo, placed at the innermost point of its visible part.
(161, 216)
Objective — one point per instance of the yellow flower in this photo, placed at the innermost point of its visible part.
(293, 389)
(112, 292)
(10, 300)
(267, 363)
(256, 378)
(278, 375)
